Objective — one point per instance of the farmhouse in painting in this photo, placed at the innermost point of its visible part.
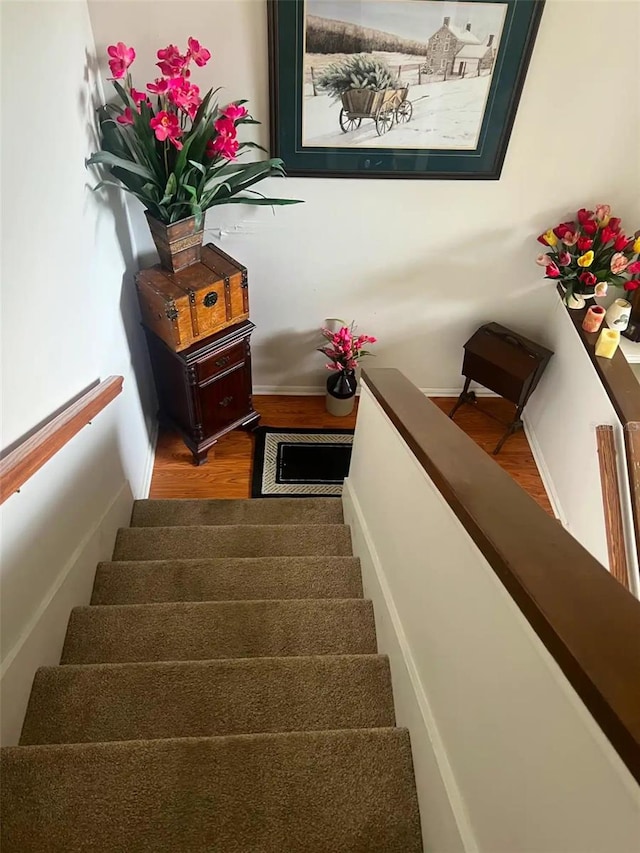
(455, 52)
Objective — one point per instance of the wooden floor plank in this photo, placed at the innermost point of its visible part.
(227, 474)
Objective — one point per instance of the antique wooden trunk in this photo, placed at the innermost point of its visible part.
(185, 307)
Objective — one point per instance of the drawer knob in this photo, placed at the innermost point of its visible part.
(225, 401)
(222, 361)
(210, 299)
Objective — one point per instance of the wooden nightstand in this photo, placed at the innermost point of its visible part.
(504, 362)
(205, 391)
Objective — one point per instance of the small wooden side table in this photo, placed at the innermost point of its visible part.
(205, 391)
(505, 362)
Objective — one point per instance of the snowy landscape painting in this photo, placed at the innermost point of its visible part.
(397, 88)
(398, 74)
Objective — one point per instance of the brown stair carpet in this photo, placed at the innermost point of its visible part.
(236, 540)
(309, 792)
(222, 693)
(140, 701)
(200, 630)
(155, 513)
(226, 579)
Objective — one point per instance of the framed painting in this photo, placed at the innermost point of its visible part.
(397, 88)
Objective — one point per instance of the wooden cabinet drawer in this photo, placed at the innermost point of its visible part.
(226, 400)
(220, 361)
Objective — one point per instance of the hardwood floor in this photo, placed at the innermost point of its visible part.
(227, 474)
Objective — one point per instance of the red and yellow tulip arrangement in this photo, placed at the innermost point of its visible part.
(591, 253)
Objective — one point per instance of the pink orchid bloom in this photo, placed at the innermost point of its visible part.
(225, 127)
(184, 95)
(235, 112)
(138, 97)
(121, 58)
(159, 87)
(199, 54)
(172, 62)
(226, 146)
(365, 339)
(166, 126)
(619, 263)
(126, 117)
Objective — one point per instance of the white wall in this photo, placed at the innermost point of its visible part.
(69, 318)
(507, 757)
(420, 264)
(560, 422)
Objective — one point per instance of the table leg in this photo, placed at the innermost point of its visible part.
(515, 425)
(465, 397)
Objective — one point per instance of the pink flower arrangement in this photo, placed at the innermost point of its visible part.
(345, 349)
(120, 58)
(172, 147)
(589, 255)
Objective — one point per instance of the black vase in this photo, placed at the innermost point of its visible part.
(342, 384)
(341, 391)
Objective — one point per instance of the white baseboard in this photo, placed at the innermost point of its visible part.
(444, 819)
(543, 470)
(319, 390)
(40, 642)
(289, 390)
(478, 390)
(145, 486)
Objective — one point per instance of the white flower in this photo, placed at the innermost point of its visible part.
(601, 288)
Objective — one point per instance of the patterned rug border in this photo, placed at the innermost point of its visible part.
(263, 483)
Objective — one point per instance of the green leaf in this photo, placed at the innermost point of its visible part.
(192, 193)
(198, 166)
(259, 201)
(198, 212)
(252, 145)
(106, 158)
(124, 95)
(151, 190)
(146, 201)
(170, 189)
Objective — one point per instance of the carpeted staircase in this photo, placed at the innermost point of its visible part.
(222, 693)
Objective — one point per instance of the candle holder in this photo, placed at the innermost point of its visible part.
(607, 343)
(618, 314)
(593, 318)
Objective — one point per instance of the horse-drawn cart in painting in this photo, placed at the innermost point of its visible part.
(384, 107)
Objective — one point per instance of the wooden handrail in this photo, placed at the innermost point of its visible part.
(611, 503)
(616, 375)
(588, 622)
(632, 446)
(30, 455)
(623, 389)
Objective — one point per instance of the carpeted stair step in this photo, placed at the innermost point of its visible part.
(138, 701)
(119, 633)
(183, 513)
(166, 543)
(226, 579)
(318, 792)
